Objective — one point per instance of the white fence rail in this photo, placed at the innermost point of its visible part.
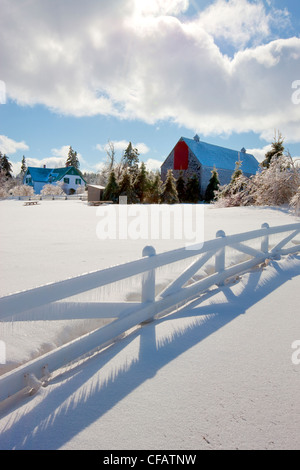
(127, 315)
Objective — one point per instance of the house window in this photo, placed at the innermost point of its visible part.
(67, 180)
(78, 181)
(28, 180)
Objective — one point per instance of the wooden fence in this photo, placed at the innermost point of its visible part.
(127, 315)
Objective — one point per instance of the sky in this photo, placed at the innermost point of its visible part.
(83, 74)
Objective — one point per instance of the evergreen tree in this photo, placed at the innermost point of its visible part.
(130, 160)
(181, 189)
(169, 191)
(23, 166)
(154, 191)
(141, 183)
(111, 191)
(72, 159)
(277, 150)
(126, 188)
(213, 186)
(5, 166)
(237, 172)
(193, 189)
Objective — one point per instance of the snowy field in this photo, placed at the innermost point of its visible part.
(214, 375)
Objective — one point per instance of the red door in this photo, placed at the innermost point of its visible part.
(181, 156)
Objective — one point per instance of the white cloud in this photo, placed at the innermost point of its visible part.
(142, 148)
(236, 21)
(121, 145)
(160, 7)
(10, 146)
(49, 162)
(259, 153)
(137, 60)
(56, 160)
(152, 164)
(62, 153)
(240, 22)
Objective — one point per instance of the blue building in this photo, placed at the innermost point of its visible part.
(69, 177)
(192, 156)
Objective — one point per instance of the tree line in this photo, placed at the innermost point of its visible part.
(130, 178)
(276, 183)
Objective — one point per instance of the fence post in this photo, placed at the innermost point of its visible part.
(148, 281)
(220, 256)
(265, 239)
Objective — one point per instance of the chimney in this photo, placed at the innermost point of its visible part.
(44, 166)
(243, 150)
(196, 138)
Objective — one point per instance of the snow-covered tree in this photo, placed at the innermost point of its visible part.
(236, 192)
(277, 184)
(5, 165)
(80, 189)
(169, 192)
(22, 190)
(52, 190)
(277, 150)
(3, 192)
(108, 165)
(295, 202)
(6, 183)
(274, 185)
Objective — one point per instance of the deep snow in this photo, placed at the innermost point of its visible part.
(213, 375)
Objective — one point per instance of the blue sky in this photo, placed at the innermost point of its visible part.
(146, 71)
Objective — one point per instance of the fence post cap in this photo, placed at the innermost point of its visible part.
(265, 225)
(220, 233)
(149, 251)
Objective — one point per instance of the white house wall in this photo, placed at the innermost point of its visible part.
(72, 184)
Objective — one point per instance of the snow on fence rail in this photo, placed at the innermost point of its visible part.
(126, 315)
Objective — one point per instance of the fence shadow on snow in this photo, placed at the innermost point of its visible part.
(82, 394)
